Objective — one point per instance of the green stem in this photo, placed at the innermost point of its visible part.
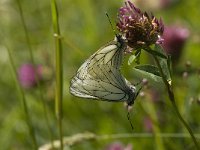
(59, 71)
(24, 103)
(33, 62)
(150, 109)
(25, 30)
(172, 99)
(46, 116)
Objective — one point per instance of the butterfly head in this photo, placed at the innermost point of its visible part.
(121, 41)
(120, 38)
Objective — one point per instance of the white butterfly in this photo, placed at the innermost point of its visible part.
(99, 77)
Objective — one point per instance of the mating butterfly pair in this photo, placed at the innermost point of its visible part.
(99, 77)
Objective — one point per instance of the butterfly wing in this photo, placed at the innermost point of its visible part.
(99, 76)
(106, 84)
(111, 54)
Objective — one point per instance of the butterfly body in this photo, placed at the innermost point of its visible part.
(99, 77)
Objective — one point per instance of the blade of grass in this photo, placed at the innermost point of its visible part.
(37, 80)
(59, 71)
(25, 30)
(150, 109)
(24, 103)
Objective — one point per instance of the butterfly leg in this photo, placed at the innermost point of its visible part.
(137, 92)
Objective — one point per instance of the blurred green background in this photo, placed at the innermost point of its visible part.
(85, 28)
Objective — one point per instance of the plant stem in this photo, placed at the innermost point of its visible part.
(25, 30)
(150, 109)
(33, 62)
(59, 86)
(24, 103)
(46, 116)
(172, 99)
(31, 128)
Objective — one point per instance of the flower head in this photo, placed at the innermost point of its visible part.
(139, 28)
(27, 74)
(174, 40)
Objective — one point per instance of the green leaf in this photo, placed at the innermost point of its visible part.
(131, 59)
(156, 53)
(169, 64)
(148, 71)
(135, 57)
(149, 68)
(137, 54)
(164, 63)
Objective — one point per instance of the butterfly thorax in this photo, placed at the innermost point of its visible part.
(121, 41)
(132, 95)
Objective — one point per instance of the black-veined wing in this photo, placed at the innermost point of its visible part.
(110, 54)
(99, 76)
(106, 83)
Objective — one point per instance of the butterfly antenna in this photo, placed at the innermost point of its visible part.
(128, 116)
(111, 24)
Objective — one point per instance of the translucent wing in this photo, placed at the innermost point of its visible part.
(111, 54)
(99, 76)
(106, 83)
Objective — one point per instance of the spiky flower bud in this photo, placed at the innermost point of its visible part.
(139, 28)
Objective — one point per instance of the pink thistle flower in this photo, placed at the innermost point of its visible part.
(174, 40)
(139, 28)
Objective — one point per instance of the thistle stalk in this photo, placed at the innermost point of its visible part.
(172, 100)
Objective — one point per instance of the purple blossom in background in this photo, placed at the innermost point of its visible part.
(139, 28)
(27, 75)
(165, 3)
(174, 41)
(119, 146)
(168, 3)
